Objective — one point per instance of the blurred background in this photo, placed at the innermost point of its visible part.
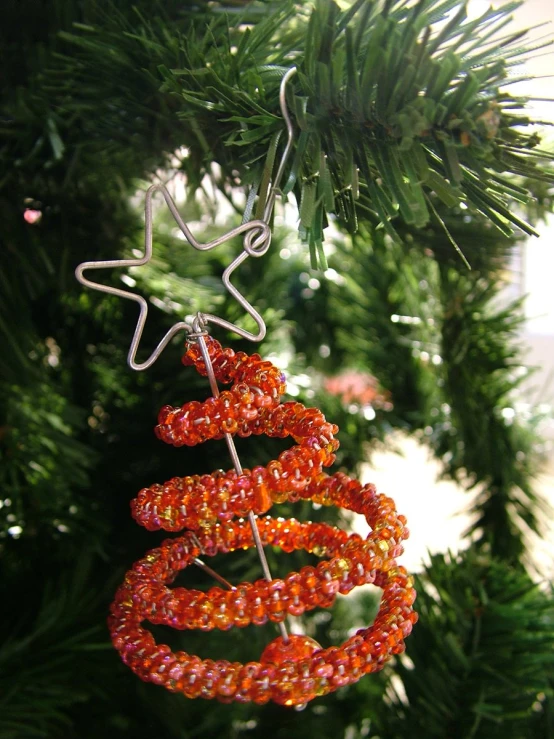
(529, 277)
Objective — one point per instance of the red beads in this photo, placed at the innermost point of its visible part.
(290, 672)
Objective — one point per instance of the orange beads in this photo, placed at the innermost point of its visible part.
(296, 647)
(292, 672)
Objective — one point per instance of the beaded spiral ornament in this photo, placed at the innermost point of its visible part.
(290, 671)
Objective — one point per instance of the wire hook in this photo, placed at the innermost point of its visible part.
(286, 151)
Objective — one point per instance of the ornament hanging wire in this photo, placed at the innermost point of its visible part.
(256, 241)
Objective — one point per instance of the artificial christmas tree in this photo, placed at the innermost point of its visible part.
(407, 140)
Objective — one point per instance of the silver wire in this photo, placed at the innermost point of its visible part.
(286, 152)
(256, 241)
(238, 469)
(203, 566)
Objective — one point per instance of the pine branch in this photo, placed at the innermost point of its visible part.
(422, 102)
(440, 344)
(494, 448)
(480, 656)
(44, 464)
(49, 662)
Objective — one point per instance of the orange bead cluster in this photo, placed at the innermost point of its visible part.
(289, 672)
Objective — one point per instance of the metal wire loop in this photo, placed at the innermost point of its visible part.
(256, 247)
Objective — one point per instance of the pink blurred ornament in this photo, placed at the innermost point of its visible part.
(358, 387)
(32, 216)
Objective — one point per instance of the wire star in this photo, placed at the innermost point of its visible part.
(256, 240)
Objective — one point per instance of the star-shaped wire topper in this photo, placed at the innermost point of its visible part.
(256, 241)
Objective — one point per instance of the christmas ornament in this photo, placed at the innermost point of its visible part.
(225, 511)
(294, 669)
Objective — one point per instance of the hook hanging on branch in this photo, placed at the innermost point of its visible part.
(256, 236)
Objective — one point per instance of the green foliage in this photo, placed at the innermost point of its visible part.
(379, 337)
(421, 89)
(493, 449)
(399, 128)
(49, 659)
(445, 347)
(40, 454)
(422, 104)
(480, 660)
